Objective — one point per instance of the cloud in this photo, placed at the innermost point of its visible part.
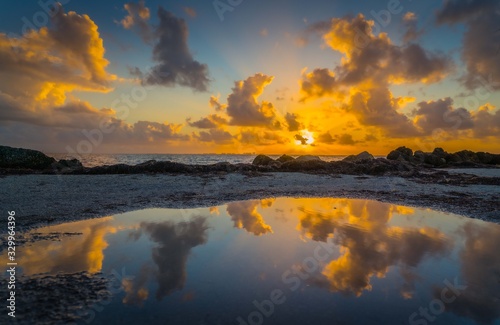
(245, 216)
(135, 289)
(211, 122)
(84, 252)
(293, 123)
(242, 106)
(69, 56)
(410, 23)
(369, 57)
(454, 11)
(303, 140)
(261, 137)
(175, 63)
(378, 107)
(215, 104)
(480, 270)
(440, 114)
(346, 139)
(138, 16)
(481, 43)
(190, 12)
(361, 228)
(325, 138)
(174, 244)
(486, 121)
(370, 64)
(318, 83)
(145, 131)
(216, 136)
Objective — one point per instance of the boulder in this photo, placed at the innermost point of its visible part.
(262, 160)
(19, 158)
(308, 158)
(69, 165)
(402, 154)
(305, 165)
(419, 157)
(285, 158)
(440, 152)
(434, 160)
(365, 156)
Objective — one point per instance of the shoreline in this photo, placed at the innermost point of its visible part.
(41, 200)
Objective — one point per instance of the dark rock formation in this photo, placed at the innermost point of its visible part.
(305, 165)
(66, 166)
(440, 158)
(401, 154)
(262, 160)
(308, 158)
(285, 158)
(24, 159)
(364, 156)
(401, 162)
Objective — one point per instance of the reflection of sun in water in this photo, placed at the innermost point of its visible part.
(305, 137)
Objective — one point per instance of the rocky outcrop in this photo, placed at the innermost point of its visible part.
(401, 154)
(364, 156)
(262, 160)
(308, 158)
(306, 165)
(18, 158)
(285, 158)
(440, 158)
(401, 162)
(67, 166)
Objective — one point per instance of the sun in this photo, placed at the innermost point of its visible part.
(305, 137)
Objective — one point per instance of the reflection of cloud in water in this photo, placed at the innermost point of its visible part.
(175, 242)
(245, 215)
(369, 245)
(79, 253)
(135, 288)
(481, 271)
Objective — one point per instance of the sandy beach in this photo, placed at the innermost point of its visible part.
(51, 199)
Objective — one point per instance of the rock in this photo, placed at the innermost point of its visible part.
(147, 163)
(24, 159)
(434, 160)
(440, 152)
(71, 163)
(419, 157)
(262, 160)
(305, 165)
(64, 166)
(402, 154)
(308, 158)
(285, 158)
(364, 156)
(485, 157)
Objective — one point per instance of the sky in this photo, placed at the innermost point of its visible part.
(238, 76)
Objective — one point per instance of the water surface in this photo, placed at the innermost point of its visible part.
(274, 261)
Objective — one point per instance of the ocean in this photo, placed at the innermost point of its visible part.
(92, 160)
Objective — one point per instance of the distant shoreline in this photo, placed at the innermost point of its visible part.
(57, 192)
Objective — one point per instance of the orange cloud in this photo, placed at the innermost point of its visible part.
(245, 216)
(369, 245)
(83, 252)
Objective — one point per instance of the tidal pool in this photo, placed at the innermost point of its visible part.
(273, 261)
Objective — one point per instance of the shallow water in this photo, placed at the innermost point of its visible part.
(275, 261)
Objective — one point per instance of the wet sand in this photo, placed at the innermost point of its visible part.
(40, 200)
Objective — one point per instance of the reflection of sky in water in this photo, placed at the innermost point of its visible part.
(335, 260)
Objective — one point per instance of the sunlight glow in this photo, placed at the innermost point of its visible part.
(305, 137)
